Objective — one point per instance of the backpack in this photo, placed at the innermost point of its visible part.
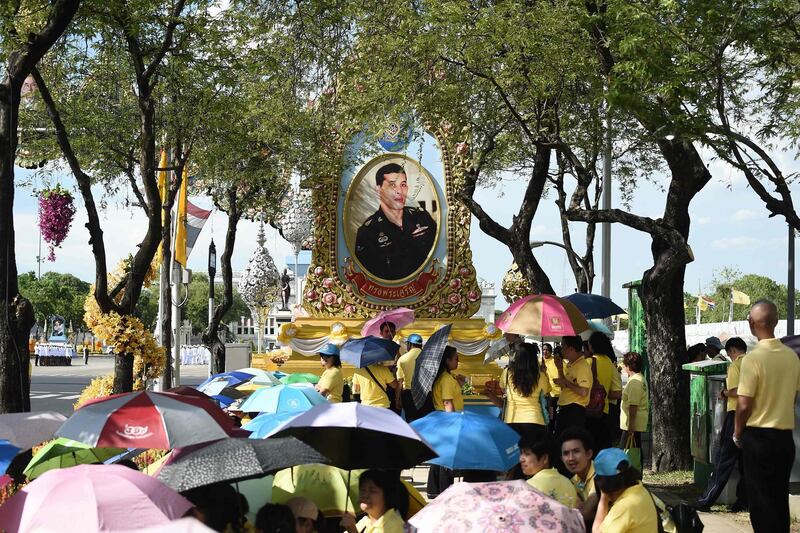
(597, 396)
(681, 518)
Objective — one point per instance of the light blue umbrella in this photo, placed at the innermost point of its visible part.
(282, 398)
(7, 453)
(217, 382)
(469, 441)
(262, 425)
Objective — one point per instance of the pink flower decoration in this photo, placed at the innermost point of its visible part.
(473, 296)
(327, 283)
(433, 309)
(349, 309)
(455, 283)
(56, 211)
(329, 298)
(311, 295)
(461, 148)
(454, 298)
(318, 271)
(464, 271)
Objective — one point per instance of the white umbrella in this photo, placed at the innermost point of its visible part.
(261, 377)
(26, 430)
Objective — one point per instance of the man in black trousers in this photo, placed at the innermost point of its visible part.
(768, 385)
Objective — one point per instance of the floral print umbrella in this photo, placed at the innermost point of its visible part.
(497, 507)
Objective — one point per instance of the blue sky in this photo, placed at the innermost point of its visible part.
(730, 228)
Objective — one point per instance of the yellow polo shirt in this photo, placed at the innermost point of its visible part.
(390, 522)
(371, 393)
(770, 375)
(732, 380)
(524, 409)
(579, 372)
(446, 387)
(635, 393)
(584, 488)
(405, 367)
(605, 375)
(549, 482)
(332, 381)
(552, 374)
(633, 512)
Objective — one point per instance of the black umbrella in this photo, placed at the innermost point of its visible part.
(792, 342)
(428, 365)
(235, 460)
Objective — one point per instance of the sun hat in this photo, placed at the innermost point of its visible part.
(607, 461)
(415, 338)
(329, 350)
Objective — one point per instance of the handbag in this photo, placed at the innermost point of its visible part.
(597, 395)
(633, 453)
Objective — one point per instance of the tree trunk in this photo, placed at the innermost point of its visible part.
(210, 337)
(165, 295)
(123, 373)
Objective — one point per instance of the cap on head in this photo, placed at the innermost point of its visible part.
(414, 338)
(607, 461)
(715, 342)
(330, 350)
(303, 508)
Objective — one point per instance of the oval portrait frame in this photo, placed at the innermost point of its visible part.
(368, 170)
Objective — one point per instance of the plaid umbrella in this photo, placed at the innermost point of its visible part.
(235, 460)
(428, 365)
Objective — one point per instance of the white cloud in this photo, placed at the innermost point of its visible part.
(745, 242)
(702, 221)
(743, 215)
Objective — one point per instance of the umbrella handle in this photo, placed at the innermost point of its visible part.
(347, 500)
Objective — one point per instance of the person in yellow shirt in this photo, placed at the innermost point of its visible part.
(577, 451)
(373, 382)
(555, 390)
(523, 384)
(331, 383)
(384, 500)
(635, 402)
(575, 380)
(405, 375)
(605, 364)
(768, 384)
(534, 460)
(447, 397)
(625, 506)
(728, 455)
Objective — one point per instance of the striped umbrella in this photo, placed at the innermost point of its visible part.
(147, 420)
(543, 316)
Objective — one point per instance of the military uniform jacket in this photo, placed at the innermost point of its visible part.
(390, 252)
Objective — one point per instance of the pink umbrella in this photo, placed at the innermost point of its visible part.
(147, 420)
(495, 507)
(400, 317)
(90, 498)
(542, 315)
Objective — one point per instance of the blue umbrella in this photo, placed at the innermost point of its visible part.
(7, 453)
(368, 350)
(469, 441)
(262, 425)
(230, 379)
(594, 305)
(282, 398)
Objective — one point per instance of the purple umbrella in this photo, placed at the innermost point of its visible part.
(355, 436)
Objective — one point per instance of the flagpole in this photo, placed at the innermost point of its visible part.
(730, 313)
(699, 295)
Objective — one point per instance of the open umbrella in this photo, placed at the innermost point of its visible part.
(92, 498)
(594, 305)
(260, 376)
(265, 423)
(231, 379)
(26, 430)
(497, 506)
(300, 377)
(400, 317)
(147, 419)
(427, 365)
(543, 316)
(183, 525)
(7, 453)
(356, 436)
(234, 460)
(335, 491)
(282, 398)
(63, 453)
(469, 441)
(595, 326)
(368, 351)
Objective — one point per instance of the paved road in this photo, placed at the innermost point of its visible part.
(55, 388)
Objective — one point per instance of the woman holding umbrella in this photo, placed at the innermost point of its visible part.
(447, 397)
(331, 383)
(384, 500)
(524, 383)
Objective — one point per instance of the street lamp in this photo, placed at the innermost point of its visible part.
(539, 244)
(212, 272)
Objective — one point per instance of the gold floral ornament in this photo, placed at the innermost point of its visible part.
(515, 286)
(492, 332)
(338, 334)
(286, 333)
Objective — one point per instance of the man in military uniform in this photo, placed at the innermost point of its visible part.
(396, 240)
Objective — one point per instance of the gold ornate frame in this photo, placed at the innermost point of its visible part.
(455, 293)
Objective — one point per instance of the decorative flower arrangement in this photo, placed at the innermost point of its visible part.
(56, 211)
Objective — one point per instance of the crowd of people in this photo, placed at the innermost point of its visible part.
(578, 419)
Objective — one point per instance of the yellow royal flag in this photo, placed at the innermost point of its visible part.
(162, 193)
(180, 221)
(702, 304)
(739, 297)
